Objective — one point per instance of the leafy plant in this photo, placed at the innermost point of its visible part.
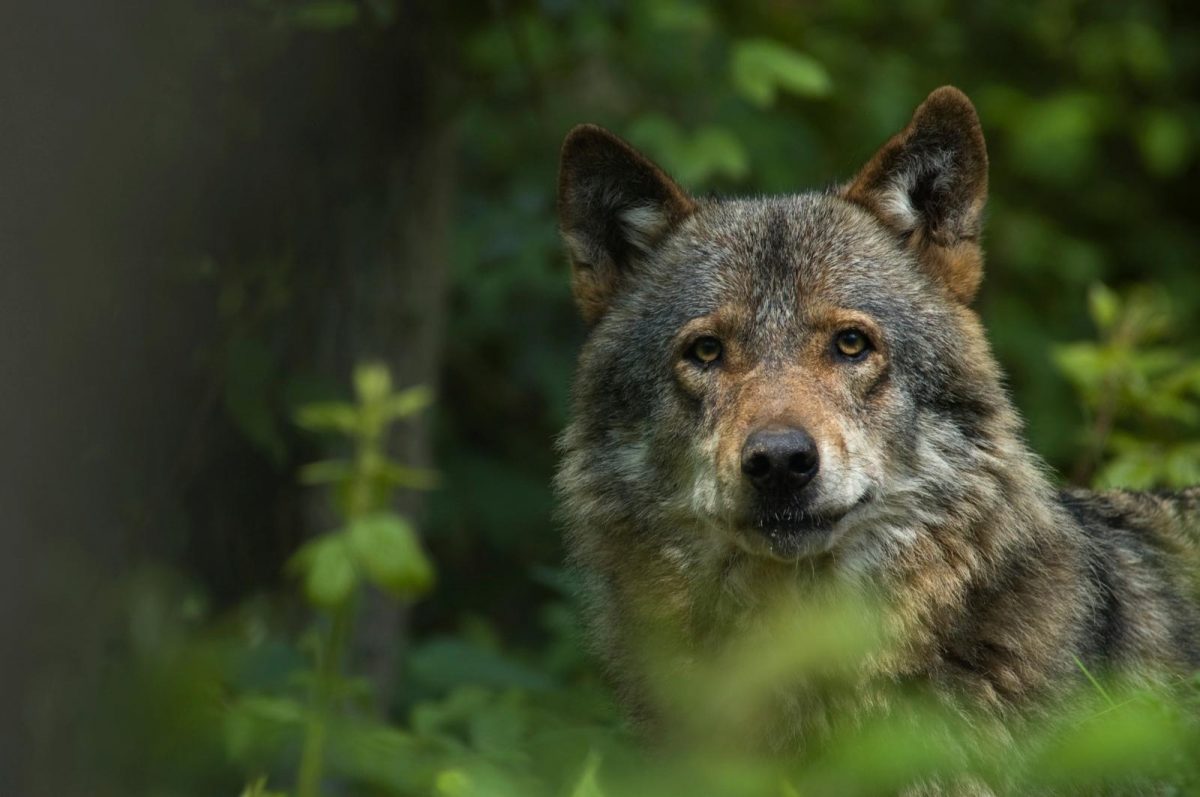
(375, 546)
(1141, 389)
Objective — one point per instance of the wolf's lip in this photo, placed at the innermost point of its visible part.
(793, 533)
(794, 523)
(788, 541)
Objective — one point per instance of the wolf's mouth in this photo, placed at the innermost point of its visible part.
(792, 532)
(795, 521)
(788, 517)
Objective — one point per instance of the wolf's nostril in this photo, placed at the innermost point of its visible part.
(757, 465)
(802, 461)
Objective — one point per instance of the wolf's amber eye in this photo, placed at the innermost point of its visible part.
(852, 344)
(705, 350)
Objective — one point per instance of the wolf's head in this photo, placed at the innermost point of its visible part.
(796, 376)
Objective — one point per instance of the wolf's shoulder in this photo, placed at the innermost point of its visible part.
(1164, 519)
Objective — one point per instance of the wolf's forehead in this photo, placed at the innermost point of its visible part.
(786, 251)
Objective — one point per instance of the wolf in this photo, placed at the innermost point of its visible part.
(781, 391)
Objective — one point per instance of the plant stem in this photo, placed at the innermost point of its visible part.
(329, 657)
(331, 648)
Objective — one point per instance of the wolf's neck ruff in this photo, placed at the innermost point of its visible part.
(785, 398)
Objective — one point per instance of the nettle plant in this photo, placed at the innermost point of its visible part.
(374, 546)
(1141, 391)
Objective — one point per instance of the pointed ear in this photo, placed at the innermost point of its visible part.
(614, 206)
(929, 184)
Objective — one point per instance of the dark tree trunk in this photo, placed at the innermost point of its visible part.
(148, 148)
(393, 313)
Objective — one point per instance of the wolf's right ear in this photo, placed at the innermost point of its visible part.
(929, 184)
(614, 205)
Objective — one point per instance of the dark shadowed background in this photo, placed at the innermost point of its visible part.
(210, 211)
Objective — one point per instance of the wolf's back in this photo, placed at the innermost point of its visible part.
(1144, 552)
(1169, 517)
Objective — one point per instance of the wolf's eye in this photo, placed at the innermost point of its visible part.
(705, 350)
(852, 344)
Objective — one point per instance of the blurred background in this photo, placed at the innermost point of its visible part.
(211, 211)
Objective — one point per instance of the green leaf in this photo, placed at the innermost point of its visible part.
(1104, 305)
(446, 662)
(372, 382)
(1085, 364)
(324, 14)
(1126, 740)
(408, 402)
(762, 67)
(588, 784)
(326, 416)
(387, 549)
(1055, 138)
(1182, 467)
(696, 158)
(258, 788)
(405, 476)
(717, 151)
(1165, 142)
(453, 783)
(325, 471)
(258, 723)
(1134, 470)
(366, 751)
(328, 570)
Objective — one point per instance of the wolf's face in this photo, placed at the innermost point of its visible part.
(794, 376)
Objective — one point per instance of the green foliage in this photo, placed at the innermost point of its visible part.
(1141, 389)
(761, 68)
(375, 547)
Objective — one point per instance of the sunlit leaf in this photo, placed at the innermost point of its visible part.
(1182, 466)
(408, 402)
(1085, 364)
(408, 477)
(1122, 741)
(588, 784)
(762, 67)
(327, 569)
(1055, 138)
(387, 549)
(258, 788)
(1132, 470)
(372, 382)
(1104, 305)
(386, 756)
(453, 783)
(716, 151)
(1165, 142)
(328, 416)
(261, 723)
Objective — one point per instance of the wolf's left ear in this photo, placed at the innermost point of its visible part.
(614, 206)
(929, 184)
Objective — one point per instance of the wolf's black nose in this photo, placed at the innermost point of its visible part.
(779, 459)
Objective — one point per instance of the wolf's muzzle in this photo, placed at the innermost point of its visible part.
(779, 460)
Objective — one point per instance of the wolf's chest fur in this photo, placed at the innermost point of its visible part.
(782, 399)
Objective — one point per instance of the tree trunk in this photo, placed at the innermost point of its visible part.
(395, 316)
